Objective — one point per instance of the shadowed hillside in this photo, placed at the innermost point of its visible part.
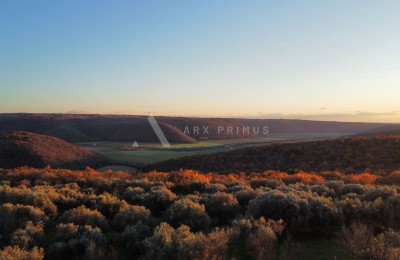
(384, 130)
(28, 149)
(345, 154)
(85, 128)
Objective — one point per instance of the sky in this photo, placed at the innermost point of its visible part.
(323, 60)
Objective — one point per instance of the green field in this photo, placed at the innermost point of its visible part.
(148, 156)
(148, 153)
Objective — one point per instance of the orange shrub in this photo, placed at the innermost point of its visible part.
(306, 178)
(187, 176)
(391, 179)
(364, 178)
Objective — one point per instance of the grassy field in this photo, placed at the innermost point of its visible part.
(148, 156)
(148, 153)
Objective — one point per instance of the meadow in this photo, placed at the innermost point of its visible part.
(149, 153)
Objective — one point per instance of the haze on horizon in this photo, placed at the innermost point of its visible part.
(322, 60)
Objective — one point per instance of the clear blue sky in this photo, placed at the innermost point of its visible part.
(332, 60)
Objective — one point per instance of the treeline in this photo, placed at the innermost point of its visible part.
(355, 154)
(63, 214)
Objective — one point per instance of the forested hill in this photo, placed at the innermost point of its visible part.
(344, 154)
(85, 128)
(28, 149)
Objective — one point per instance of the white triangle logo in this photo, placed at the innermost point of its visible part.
(135, 145)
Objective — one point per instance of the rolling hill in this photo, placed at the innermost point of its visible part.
(28, 149)
(383, 130)
(87, 128)
(355, 154)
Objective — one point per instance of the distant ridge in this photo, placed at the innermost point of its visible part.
(28, 149)
(86, 128)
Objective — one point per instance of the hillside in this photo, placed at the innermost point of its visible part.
(345, 154)
(28, 149)
(85, 128)
(306, 126)
(384, 130)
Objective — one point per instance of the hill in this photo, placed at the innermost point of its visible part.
(28, 149)
(87, 128)
(383, 130)
(344, 154)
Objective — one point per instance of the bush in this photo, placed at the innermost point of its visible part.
(80, 243)
(17, 253)
(277, 205)
(222, 205)
(131, 216)
(353, 188)
(65, 232)
(84, 216)
(168, 243)
(158, 199)
(134, 237)
(109, 205)
(363, 244)
(262, 243)
(29, 236)
(186, 212)
(13, 216)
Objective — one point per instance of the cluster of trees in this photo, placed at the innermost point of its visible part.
(48, 213)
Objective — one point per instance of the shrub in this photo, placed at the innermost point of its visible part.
(222, 205)
(134, 237)
(306, 178)
(364, 178)
(277, 205)
(262, 243)
(29, 236)
(158, 199)
(244, 196)
(168, 243)
(13, 216)
(80, 243)
(84, 216)
(186, 212)
(65, 232)
(130, 216)
(17, 253)
(363, 244)
(109, 205)
(353, 188)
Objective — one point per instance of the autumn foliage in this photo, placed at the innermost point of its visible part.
(48, 213)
